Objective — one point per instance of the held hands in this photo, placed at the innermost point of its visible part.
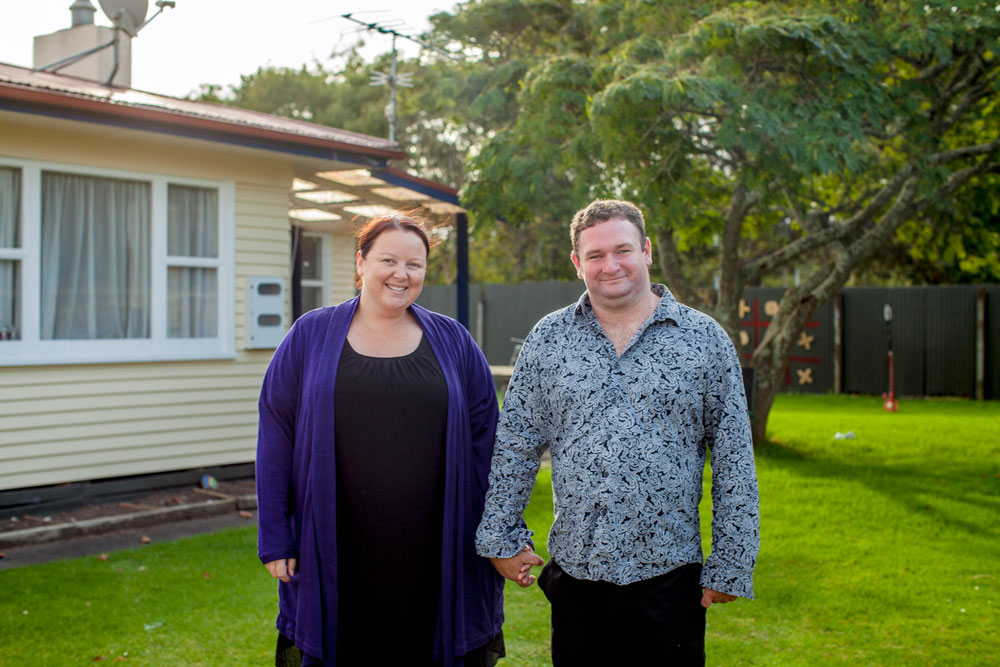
(283, 569)
(518, 568)
(710, 597)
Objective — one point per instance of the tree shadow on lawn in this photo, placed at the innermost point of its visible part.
(923, 491)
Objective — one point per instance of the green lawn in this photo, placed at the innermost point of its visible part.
(879, 550)
(883, 549)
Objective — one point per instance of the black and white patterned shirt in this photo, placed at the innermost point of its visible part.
(628, 436)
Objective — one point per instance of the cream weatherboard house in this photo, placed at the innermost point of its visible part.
(136, 231)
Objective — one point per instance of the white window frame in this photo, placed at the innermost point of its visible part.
(30, 350)
(323, 282)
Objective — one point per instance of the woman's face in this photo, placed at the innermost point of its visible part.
(392, 274)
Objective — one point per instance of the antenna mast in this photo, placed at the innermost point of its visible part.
(392, 78)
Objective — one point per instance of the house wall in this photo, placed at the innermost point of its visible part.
(342, 253)
(77, 422)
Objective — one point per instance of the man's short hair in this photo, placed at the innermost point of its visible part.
(602, 210)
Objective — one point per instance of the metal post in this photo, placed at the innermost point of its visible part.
(296, 234)
(981, 344)
(838, 343)
(392, 93)
(480, 334)
(890, 399)
(462, 259)
(116, 42)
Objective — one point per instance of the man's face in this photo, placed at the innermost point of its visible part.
(613, 260)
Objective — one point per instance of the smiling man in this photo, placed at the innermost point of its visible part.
(628, 389)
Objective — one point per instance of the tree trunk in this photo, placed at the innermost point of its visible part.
(771, 357)
(730, 274)
(769, 365)
(762, 401)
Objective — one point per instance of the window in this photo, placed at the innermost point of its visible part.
(192, 262)
(315, 271)
(94, 258)
(105, 266)
(10, 254)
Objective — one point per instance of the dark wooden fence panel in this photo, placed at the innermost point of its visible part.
(951, 341)
(444, 299)
(866, 341)
(510, 311)
(992, 337)
(504, 311)
(933, 333)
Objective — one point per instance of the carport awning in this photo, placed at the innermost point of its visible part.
(330, 200)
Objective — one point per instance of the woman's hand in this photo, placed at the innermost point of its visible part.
(283, 569)
(518, 568)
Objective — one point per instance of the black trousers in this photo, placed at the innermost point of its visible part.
(658, 621)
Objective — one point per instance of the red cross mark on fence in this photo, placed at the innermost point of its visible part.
(758, 324)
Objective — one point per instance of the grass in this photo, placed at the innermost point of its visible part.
(883, 549)
(204, 600)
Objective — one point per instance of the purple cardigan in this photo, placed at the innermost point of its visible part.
(296, 483)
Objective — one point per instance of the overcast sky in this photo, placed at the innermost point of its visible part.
(215, 41)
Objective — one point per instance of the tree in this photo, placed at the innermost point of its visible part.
(765, 135)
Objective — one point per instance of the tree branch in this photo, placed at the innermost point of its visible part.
(730, 276)
(966, 151)
(955, 181)
(753, 270)
(982, 90)
(670, 263)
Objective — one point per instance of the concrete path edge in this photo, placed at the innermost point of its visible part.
(42, 534)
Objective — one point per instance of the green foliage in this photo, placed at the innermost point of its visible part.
(760, 137)
(791, 100)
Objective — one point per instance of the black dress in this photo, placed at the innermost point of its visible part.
(390, 454)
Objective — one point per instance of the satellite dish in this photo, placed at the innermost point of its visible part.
(129, 15)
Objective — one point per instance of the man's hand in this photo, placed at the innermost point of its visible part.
(283, 569)
(518, 568)
(710, 597)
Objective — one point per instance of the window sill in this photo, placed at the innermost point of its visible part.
(13, 353)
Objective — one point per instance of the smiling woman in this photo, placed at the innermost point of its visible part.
(391, 264)
(376, 432)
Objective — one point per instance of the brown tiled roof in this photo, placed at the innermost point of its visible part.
(45, 92)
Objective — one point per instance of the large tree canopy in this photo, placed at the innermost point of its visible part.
(762, 136)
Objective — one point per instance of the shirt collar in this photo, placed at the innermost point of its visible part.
(668, 308)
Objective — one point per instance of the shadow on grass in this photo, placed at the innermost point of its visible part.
(921, 490)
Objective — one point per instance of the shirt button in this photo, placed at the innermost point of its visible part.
(603, 511)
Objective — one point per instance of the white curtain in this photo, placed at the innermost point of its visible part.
(10, 213)
(192, 292)
(95, 260)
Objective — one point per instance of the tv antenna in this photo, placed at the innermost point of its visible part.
(128, 16)
(392, 78)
